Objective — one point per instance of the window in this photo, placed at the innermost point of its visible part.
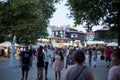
(76, 35)
(72, 35)
(56, 33)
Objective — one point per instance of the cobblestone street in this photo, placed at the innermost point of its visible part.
(14, 73)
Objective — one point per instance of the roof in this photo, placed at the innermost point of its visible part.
(60, 38)
(103, 29)
(75, 32)
(67, 30)
(89, 32)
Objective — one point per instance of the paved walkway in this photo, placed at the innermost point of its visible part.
(14, 73)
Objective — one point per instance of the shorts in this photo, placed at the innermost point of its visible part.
(40, 64)
(25, 68)
(46, 65)
(108, 59)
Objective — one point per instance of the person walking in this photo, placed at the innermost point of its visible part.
(26, 62)
(46, 60)
(70, 58)
(114, 72)
(58, 63)
(108, 56)
(94, 57)
(40, 63)
(33, 52)
(90, 56)
(79, 71)
(52, 51)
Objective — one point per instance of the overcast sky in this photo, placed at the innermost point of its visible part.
(60, 18)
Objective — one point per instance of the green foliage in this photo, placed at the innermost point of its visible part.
(96, 12)
(93, 11)
(102, 49)
(27, 19)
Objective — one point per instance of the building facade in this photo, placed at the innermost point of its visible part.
(69, 35)
(104, 35)
(90, 36)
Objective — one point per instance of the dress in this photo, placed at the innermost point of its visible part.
(58, 64)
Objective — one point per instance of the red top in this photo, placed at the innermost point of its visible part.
(108, 52)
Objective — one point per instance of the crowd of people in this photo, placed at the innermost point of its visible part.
(76, 68)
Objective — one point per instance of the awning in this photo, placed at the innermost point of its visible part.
(7, 44)
(112, 44)
(95, 42)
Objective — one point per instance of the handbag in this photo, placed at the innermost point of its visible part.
(80, 72)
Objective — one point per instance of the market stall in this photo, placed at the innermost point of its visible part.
(112, 44)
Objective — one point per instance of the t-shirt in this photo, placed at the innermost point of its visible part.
(74, 70)
(108, 52)
(47, 55)
(26, 56)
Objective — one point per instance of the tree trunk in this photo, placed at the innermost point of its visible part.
(119, 36)
(117, 25)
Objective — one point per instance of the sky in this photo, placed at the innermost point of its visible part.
(60, 18)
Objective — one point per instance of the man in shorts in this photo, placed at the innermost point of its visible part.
(26, 62)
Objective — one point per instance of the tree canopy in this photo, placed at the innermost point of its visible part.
(96, 12)
(27, 19)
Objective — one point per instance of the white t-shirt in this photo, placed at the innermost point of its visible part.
(47, 55)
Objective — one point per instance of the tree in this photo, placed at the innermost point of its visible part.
(96, 12)
(27, 19)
